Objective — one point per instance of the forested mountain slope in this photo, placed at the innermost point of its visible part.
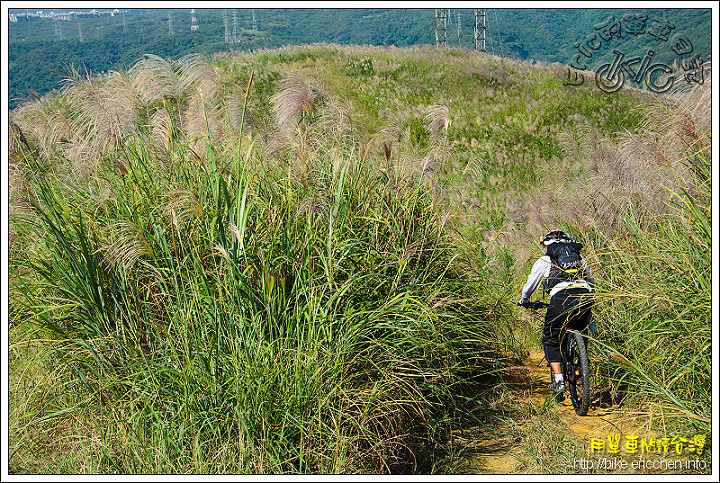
(41, 49)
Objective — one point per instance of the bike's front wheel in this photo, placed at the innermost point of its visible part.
(578, 374)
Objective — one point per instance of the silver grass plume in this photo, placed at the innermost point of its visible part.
(106, 110)
(162, 128)
(48, 126)
(184, 208)
(392, 133)
(128, 247)
(293, 98)
(437, 120)
(154, 78)
(197, 73)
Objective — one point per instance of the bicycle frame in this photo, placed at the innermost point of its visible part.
(570, 329)
(574, 363)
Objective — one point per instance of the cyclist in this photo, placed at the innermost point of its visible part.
(566, 288)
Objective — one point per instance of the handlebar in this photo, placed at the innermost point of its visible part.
(533, 305)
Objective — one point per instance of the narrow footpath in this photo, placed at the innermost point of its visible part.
(529, 386)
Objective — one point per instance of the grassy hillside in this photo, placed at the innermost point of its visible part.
(307, 259)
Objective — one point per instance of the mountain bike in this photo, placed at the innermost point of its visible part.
(574, 361)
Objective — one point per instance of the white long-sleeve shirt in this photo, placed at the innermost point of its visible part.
(540, 271)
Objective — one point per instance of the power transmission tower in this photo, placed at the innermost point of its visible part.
(170, 27)
(227, 26)
(440, 26)
(58, 29)
(193, 20)
(480, 30)
(458, 19)
(80, 32)
(234, 25)
(254, 22)
(124, 22)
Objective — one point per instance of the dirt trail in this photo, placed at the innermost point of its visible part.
(529, 385)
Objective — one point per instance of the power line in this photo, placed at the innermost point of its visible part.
(458, 21)
(497, 28)
(402, 23)
(58, 29)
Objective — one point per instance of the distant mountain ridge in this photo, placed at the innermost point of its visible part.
(40, 49)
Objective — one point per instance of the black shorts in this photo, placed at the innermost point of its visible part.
(569, 307)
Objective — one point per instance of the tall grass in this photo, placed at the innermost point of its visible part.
(657, 305)
(240, 267)
(222, 316)
(655, 267)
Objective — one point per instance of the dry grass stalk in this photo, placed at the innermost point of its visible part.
(15, 137)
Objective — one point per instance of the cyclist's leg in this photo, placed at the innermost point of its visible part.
(578, 308)
(554, 320)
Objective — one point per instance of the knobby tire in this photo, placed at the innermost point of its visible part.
(578, 374)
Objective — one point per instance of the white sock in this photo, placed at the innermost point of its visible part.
(558, 377)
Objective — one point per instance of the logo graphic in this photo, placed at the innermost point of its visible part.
(639, 69)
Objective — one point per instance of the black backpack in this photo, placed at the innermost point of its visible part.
(566, 263)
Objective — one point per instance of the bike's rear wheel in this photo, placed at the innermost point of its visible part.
(578, 374)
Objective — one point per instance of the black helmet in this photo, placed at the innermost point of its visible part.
(556, 236)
